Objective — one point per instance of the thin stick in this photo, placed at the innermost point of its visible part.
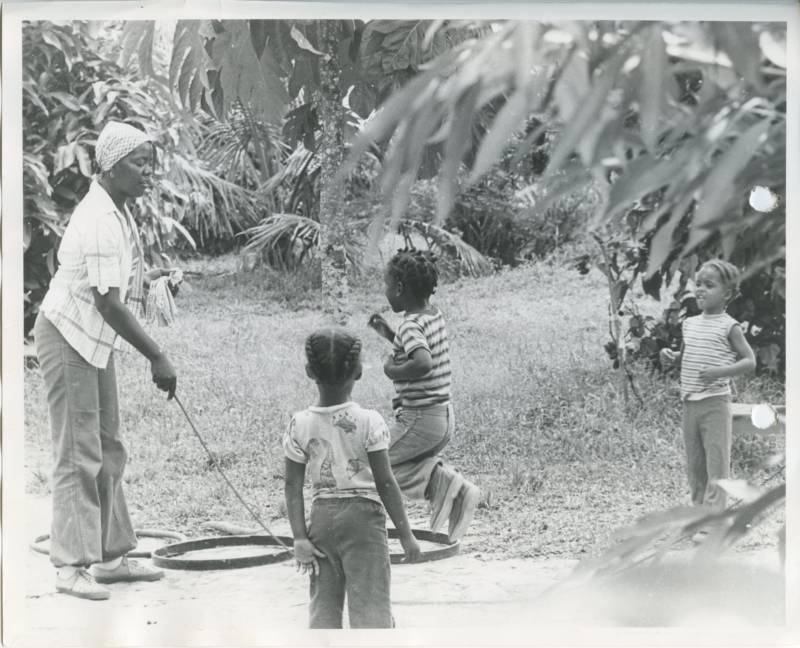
(225, 477)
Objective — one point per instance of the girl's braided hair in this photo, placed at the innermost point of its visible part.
(728, 273)
(332, 354)
(416, 269)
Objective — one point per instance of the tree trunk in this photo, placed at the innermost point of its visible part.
(332, 212)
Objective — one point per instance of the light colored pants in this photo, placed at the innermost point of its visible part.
(351, 532)
(90, 517)
(417, 437)
(707, 436)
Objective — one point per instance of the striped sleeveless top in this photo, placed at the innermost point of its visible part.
(423, 331)
(706, 344)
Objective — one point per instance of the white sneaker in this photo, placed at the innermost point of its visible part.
(82, 585)
(463, 511)
(446, 485)
(127, 571)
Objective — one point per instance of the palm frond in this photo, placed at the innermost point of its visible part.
(216, 207)
(470, 261)
(243, 148)
(294, 185)
(283, 240)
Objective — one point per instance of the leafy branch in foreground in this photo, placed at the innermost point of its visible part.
(652, 536)
(688, 116)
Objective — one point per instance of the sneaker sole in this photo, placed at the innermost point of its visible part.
(468, 508)
(447, 502)
(89, 596)
(129, 579)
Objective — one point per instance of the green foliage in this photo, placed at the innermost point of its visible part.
(207, 172)
(227, 68)
(69, 90)
(283, 241)
(615, 90)
(760, 306)
(456, 256)
(653, 535)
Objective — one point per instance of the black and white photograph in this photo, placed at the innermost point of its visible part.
(461, 325)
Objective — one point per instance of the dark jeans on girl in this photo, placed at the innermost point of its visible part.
(351, 531)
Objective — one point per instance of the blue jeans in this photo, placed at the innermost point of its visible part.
(417, 437)
(351, 531)
(90, 517)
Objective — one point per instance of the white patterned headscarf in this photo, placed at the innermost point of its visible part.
(115, 141)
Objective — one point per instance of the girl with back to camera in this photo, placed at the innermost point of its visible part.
(345, 548)
(419, 366)
(713, 350)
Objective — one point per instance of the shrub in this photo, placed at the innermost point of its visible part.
(492, 217)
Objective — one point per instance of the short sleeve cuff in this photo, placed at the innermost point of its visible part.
(103, 272)
(291, 448)
(378, 434)
(291, 451)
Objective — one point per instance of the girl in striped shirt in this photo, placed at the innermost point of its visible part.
(419, 366)
(713, 350)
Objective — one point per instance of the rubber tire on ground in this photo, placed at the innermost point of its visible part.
(169, 556)
(447, 550)
(136, 553)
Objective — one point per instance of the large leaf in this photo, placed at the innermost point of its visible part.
(662, 243)
(84, 160)
(252, 81)
(391, 113)
(457, 143)
(654, 78)
(587, 112)
(643, 175)
(740, 42)
(302, 42)
(721, 187)
(190, 63)
(67, 100)
(64, 158)
(572, 87)
(509, 120)
(420, 129)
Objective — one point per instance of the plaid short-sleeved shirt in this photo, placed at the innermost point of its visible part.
(97, 250)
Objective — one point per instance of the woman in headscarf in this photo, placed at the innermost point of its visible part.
(89, 306)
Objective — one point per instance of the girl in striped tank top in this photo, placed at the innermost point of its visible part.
(419, 366)
(713, 350)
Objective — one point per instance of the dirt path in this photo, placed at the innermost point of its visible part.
(268, 605)
(247, 605)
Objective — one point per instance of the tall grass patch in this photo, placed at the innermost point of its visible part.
(541, 424)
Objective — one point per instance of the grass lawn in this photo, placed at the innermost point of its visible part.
(540, 422)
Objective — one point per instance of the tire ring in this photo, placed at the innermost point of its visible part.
(169, 555)
(141, 533)
(447, 550)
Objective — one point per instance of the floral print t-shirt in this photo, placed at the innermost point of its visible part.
(333, 443)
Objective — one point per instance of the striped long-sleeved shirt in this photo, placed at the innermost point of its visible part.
(424, 331)
(706, 344)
